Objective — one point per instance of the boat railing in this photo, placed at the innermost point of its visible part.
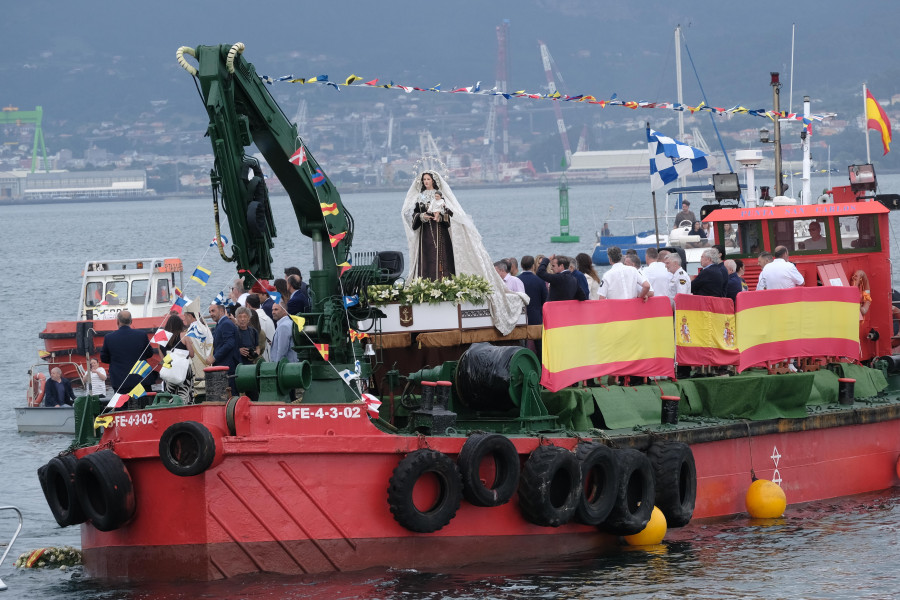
(15, 535)
(35, 375)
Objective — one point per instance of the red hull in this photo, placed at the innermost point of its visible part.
(293, 495)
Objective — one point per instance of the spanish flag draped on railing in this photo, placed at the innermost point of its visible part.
(705, 331)
(589, 339)
(804, 321)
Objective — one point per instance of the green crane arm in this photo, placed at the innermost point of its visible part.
(242, 111)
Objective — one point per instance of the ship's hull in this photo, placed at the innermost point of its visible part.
(292, 492)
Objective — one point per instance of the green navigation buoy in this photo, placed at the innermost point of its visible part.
(564, 214)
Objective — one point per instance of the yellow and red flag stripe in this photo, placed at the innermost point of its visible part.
(805, 321)
(878, 120)
(582, 340)
(329, 209)
(705, 331)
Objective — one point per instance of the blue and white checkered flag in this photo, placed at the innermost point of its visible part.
(671, 159)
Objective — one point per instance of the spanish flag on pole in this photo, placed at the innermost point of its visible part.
(589, 339)
(804, 321)
(877, 120)
(705, 331)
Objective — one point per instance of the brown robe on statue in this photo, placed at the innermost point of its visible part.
(435, 246)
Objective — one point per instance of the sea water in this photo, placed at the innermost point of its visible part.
(847, 548)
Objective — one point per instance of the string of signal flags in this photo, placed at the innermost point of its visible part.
(357, 81)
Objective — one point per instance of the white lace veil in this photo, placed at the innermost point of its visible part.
(469, 255)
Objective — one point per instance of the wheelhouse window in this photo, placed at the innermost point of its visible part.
(811, 235)
(93, 293)
(139, 290)
(163, 295)
(859, 234)
(116, 293)
(740, 239)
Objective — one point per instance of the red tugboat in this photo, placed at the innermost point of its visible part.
(471, 460)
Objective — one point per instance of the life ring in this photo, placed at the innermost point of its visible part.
(635, 492)
(676, 481)
(35, 393)
(187, 449)
(58, 483)
(599, 474)
(105, 490)
(506, 469)
(403, 482)
(550, 486)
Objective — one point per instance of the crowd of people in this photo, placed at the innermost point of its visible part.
(557, 277)
(250, 326)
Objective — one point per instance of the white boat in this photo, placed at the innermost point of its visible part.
(45, 419)
(36, 418)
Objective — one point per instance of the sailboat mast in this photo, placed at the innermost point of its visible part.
(678, 81)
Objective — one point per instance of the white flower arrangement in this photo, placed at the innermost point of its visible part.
(473, 289)
(60, 557)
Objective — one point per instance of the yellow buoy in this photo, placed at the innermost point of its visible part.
(765, 500)
(653, 533)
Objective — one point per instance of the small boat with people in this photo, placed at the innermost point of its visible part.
(404, 438)
(146, 287)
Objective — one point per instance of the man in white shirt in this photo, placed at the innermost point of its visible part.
(622, 282)
(655, 271)
(513, 284)
(679, 281)
(779, 274)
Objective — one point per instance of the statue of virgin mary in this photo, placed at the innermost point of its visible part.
(444, 241)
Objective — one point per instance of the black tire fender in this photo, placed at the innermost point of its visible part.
(501, 450)
(599, 475)
(407, 474)
(187, 448)
(550, 486)
(58, 484)
(105, 490)
(635, 493)
(676, 481)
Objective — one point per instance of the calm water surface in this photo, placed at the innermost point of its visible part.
(838, 549)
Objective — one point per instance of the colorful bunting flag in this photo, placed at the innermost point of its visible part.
(201, 275)
(299, 321)
(112, 293)
(167, 361)
(318, 178)
(351, 79)
(117, 401)
(137, 391)
(215, 241)
(104, 420)
(347, 375)
(335, 239)
(329, 209)
(344, 267)
(298, 157)
(373, 404)
(671, 159)
(357, 335)
(276, 296)
(161, 337)
(323, 350)
(351, 301)
(141, 368)
(180, 303)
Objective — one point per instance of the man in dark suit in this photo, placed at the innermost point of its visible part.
(299, 301)
(121, 350)
(713, 278)
(562, 283)
(226, 351)
(536, 289)
(58, 391)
